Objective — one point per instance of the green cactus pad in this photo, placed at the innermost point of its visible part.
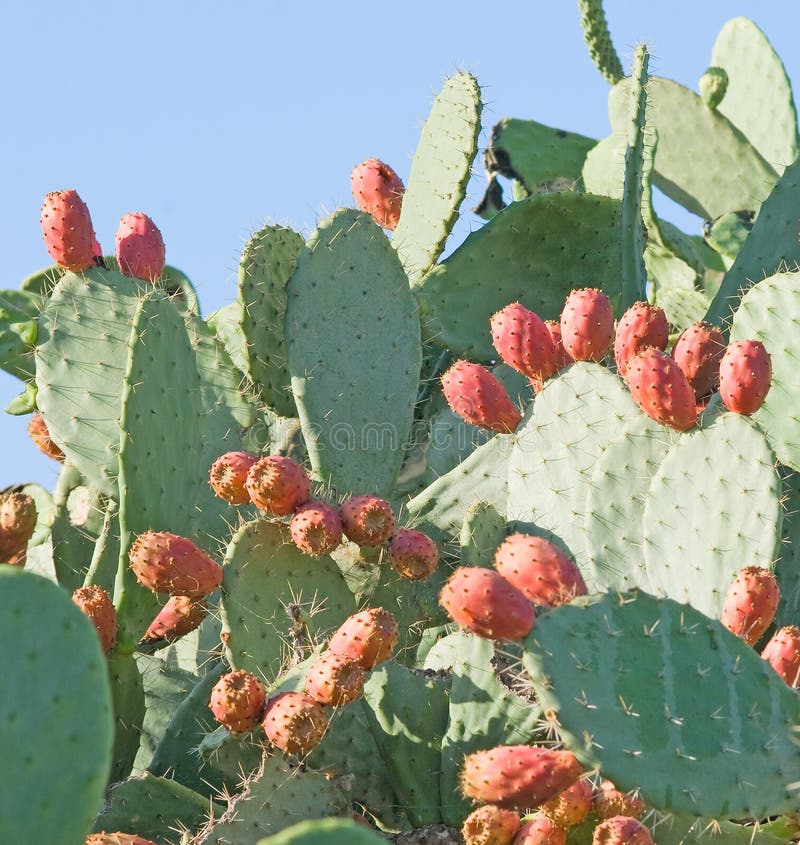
(598, 40)
(42, 282)
(682, 307)
(440, 171)
(727, 234)
(662, 698)
(226, 325)
(354, 354)
(127, 692)
(525, 245)
(55, 717)
(690, 830)
(329, 831)
(484, 529)
(18, 313)
(787, 567)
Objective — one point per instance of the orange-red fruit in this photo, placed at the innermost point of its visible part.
(117, 839)
(96, 604)
(238, 700)
(37, 429)
(479, 398)
(698, 352)
(482, 601)
(177, 617)
(587, 325)
(782, 652)
(140, 247)
(523, 342)
(608, 801)
(541, 830)
(490, 825)
(367, 637)
(537, 567)
(167, 563)
(413, 554)
(316, 528)
(643, 325)
(745, 376)
(67, 230)
(294, 722)
(228, 475)
(335, 680)
(17, 524)
(367, 520)
(659, 388)
(571, 806)
(562, 356)
(750, 603)
(278, 485)
(378, 190)
(621, 830)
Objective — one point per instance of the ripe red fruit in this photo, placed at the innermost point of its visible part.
(67, 230)
(478, 397)
(294, 722)
(228, 475)
(608, 801)
(640, 327)
(37, 429)
(278, 485)
(571, 806)
(782, 652)
(523, 342)
(562, 356)
(378, 190)
(587, 325)
(140, 247)
(490, 825)
(178, 617)
(413, 554)
(698, 352)
(167, 563)
(368, 637)
(621, 830)
(367, 520)
(335, 680)
(750, 603)
(541, 830)
(238, 700)
(316, 528)
(17, 524)
(659, 388)
(745, 376)
(117, 839)
(96, 604)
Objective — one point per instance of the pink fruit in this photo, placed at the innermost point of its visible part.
(117, 839)
(316, 528)
(167, 563)
(378, 190)
(538, 568)
(67, 230)
(745, 375)
(96, 604)
(478, 397)
(587, 325)
(750, 603)
(621, 830)
(608, 801)
(562, 356)
(294, 722)
(571, 806)
(278, 485)
(37, 429)
(335, 680)
(140, 247)
(238, 700)
(490, 825)
(518, 776)
(228, 475)
(179, 616)
(782, 652)
(640, 327)
(698, 352)
(523, 342)
(367, 520)
(17, 524)
(413, 554)
(659, 388)
(482, 601)
(368, 637)
(540, 830)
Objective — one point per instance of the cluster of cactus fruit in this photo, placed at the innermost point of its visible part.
(496, 567)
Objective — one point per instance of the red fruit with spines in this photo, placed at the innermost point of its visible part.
(278, 485)
(587, 325)
(335, 680)
(178, 617)
(478, 397)
(642, 326)
(490, 825)
(238, 700)
(621, 830)
(698, 352)
(17, 524)
(523, 342)
(316, 528)
(541, 830)
(294, 722)
(37, 429)
(745, 376)
(482, 601)
(228, 475)
(539, 569)
(659, 387)
(413, 554)
(608, 802)
(518, 776)
(96, 605)
(140, 247)
(562, 356)
(117, 839)
(368, 637)
(378, 190)
(750, 603)
(367, 520)
(782, 652)
(168, 563)
(67, 230)
(571, 806)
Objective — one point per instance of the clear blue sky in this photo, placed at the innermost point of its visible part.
(216, 117)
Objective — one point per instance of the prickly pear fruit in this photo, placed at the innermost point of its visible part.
(294, 722)
(518, 776)
(621, 830)
(478, 397)
(643, 325)
(238, 700)
(17, 524)
(745, 375)
(538, 568)
(562, 356)
(378, 190)
(608, 801)
(368, 637)
(413, 554)
(698, 352)
(490, 825)
(167, 563)
(67, 230)
(177, 617)
(541, 830)
(140, 247)
(713, 86)
(37, 429)
(316, 528)
(587, 325)
(228, 475)
(278, 485)
(659, 388)
(335, 680)
(571, 806)
(117, 839)
(482, 601)
(96, 604)
(367, 520)
(750, 603)
(523, 342)
(782, 652)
